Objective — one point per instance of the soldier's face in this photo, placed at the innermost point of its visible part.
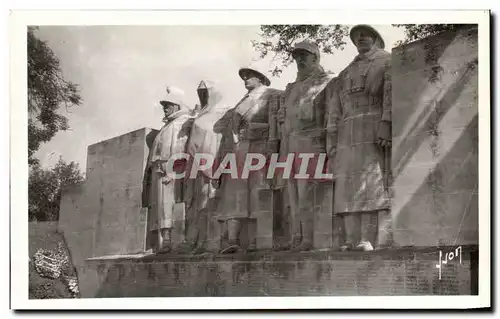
(364, 40)
(251, 81)
(203, 96)
(169, 109)
(304, 59)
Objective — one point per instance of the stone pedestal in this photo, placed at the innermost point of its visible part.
(404, 272)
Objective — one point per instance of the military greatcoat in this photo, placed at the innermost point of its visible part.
(248, 132)
(362, 99)
(172, 139)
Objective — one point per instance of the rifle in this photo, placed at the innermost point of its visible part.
(159, 203)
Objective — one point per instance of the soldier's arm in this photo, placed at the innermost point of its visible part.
(274, 131)
(332, 116)
(387, 94)
(182, 141)
(145, 187)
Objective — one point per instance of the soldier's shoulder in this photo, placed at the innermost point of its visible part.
(273, 91)
(185, 118)
(333, 82)
(343, 72)
(324, 77)
(382, 55)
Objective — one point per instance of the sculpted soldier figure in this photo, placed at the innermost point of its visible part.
(359, 124)
(205, 138)
(302, 118)
(243, 197)
(162, 193)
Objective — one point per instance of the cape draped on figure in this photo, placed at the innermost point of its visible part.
(205, 138)
(170, 140)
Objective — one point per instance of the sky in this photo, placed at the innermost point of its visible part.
(122, 72)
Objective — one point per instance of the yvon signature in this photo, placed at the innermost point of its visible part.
(449, 257)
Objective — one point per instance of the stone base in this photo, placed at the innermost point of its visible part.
(408, 271)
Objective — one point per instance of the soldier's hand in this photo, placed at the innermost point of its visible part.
(384, 134)
(281, 115)
(166, 179)
(272, 147)
(330, 160)
(215, 183)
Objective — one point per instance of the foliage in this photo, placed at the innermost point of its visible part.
(47, 91)
(279, 39)
(45, 186)
(414, 32)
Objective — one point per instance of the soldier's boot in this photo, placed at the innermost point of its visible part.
(185, 247)
(368, 229)
(293, 243)
(202, 224)
(307, 235)
(384, 230)
(166, 241)
(234, 228)
(224, 235)
(352, 232)
(199, 249)
(296, 234)
(252, 235)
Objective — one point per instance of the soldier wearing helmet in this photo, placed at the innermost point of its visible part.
(302, 117)
(245, 200)
(359, 125)
(162, 193)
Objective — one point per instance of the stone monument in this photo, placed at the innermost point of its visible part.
(302, 117)
(360, 129)
(434, 119)
(205, 138)
(163, 193)
(246, 200)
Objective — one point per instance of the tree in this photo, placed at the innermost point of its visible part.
(45, 186)
(47, 92)
(414, 32)
(279, 39)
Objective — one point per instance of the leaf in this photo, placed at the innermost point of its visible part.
(279, 40)
(47, 92)
(45, 187)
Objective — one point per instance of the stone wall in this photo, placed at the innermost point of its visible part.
(113, 187)
(403, 272)
(76, 223)
(435, 140)
(103, 215)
